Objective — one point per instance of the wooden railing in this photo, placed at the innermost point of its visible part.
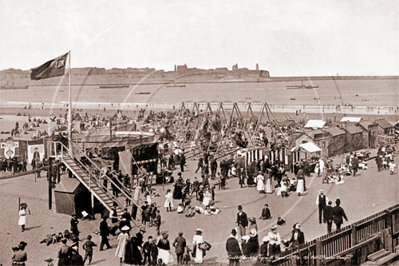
(352, 243)
(94, 172)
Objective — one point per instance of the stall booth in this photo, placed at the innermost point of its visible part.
(305, 151)
(146, 155)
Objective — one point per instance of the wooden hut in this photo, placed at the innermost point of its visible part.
(336, 143)
(354, 138)
(71, 196)
(369, 134)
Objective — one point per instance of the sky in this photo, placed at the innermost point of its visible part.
(287, 38)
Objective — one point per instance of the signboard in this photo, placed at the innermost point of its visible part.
(32, 149)
(9, 148)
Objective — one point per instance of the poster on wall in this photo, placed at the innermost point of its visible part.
(31, 150)
(9, 148)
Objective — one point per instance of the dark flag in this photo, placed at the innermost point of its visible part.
(52, 68)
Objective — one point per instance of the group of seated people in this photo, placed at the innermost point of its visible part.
(286, 185)
(56, 238)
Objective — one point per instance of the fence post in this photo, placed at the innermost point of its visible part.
(353, 235)
(389, 225)
(318, 252)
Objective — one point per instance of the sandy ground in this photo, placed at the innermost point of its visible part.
(367, 193)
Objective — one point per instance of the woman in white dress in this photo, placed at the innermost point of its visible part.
(300, 187)
(260, 181)
(269, 189)
(207, 198)
(168, 200)
(197, 253)
(122, 240)
(23, 211)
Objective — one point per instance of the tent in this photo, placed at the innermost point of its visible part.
(309, 147)
(351, 119)
(315, 124)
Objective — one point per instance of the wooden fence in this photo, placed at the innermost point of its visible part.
(351, 245)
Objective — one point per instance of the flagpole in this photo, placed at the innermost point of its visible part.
(69, 105)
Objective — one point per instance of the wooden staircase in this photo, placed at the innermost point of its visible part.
(91, 183)
(89, 174)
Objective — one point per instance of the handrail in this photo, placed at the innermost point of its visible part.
(99, 181)
(121, 186)
(105, 175)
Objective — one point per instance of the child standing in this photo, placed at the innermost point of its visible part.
(88, 247)
(391, 167)
(168, 200)
(157, 221)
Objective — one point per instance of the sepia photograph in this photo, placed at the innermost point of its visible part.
(174, 132)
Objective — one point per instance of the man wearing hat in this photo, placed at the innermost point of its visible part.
(328, 215)
(180, 245)
(242, 221)
(20, 256)
(338, 214)
(104, 232)
(321, 201)
(233, 249)
(74, 225)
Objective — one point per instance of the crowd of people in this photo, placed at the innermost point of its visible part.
(196, 196)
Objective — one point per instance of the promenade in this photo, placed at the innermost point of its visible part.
(363, 195)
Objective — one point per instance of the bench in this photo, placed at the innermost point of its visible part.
(378, 255)
(381, 257)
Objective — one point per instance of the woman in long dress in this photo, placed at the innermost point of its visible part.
(207, 198)
(132, 253)
(260, 183)
(168, 200)
(23, 211)
(164, 249)
(197, 252)
(269, 189)
(122, 240)
(300, 187)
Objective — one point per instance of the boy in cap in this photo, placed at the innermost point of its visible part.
(88, 247)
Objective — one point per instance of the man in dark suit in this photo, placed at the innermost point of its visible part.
(180, 245)
(182, 162)
(242, 221)
(338, 214)
(233, 249)
(104, 233)
(328, 216)
(297, 239)
(321, 201)
(355, 164)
